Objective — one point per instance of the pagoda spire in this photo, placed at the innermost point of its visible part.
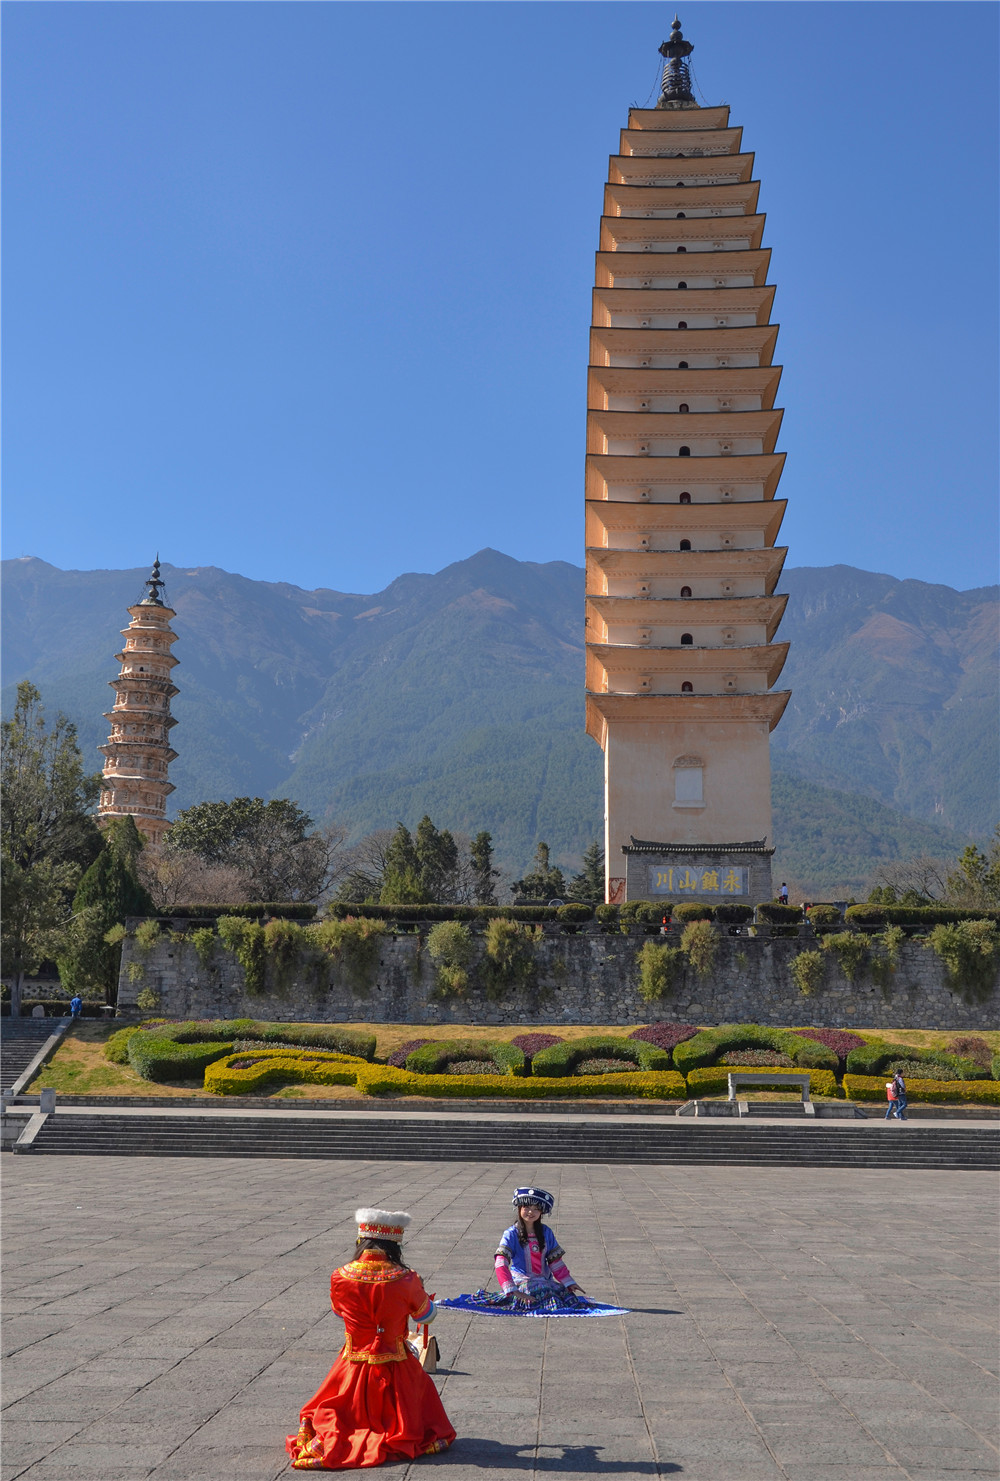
(138, 751)
(675, 86)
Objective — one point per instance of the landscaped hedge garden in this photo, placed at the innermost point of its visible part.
(246, 1056)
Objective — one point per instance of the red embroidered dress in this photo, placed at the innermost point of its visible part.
(376, 1404)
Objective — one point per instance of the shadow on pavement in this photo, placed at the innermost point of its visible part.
(578, 1459)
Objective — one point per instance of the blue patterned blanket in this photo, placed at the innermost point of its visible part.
(557, 1302)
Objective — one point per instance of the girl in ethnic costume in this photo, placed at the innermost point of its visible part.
(376, 1404)
(531, 1270)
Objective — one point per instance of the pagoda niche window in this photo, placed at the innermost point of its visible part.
(685, 593)
(689, 774)
(685, 545)
(685, 498)
(687, 640)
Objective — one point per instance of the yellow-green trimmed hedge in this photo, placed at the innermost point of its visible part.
(222, 1078)
(304, 1068)
(647, 1084)
(941, 1092)
(714, 1080)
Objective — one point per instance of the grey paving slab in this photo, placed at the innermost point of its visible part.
(166, 1318)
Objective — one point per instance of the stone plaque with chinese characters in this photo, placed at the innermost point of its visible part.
(698, 879)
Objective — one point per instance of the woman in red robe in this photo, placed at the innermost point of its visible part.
(376, 1404)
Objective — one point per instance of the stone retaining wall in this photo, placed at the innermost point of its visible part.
(584, 978)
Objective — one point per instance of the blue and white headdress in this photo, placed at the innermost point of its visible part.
(544, 1200)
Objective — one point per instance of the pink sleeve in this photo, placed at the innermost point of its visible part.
(504, 1278)
(560, 1272)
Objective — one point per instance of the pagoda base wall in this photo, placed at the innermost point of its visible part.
(586, 978)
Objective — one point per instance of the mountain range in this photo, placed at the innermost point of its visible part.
(460, 694)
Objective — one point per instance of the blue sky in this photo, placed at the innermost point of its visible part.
(303, 290)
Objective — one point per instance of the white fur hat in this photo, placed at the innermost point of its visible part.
(379, 1223)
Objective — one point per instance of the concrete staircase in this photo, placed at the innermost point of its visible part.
(380, 1138)
(20, 1041)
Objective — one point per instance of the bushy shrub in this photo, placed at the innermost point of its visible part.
(995, 1067)
(651, 1085)
(509, 963)
(969, 950)
(751, 1058)
(165, 1059)
(116, 1048)
(434, 1058)
(714, 1080)
(776, 914)
(823, 915)
(399, 1056)
(664, 1035)
(700, 943)
(871, 1088)
(283, 945)
(705, 1047)
(971, 1046)
(354, 945)
(806, 970)
(691, 911)
(450, 945)
(876, 1056)
(421, 914)
(286, 909)
(531, 1044)
(915, 915)
(245, 939)
(607, 914)
(840, 1040)
(203, 940)
(575, 912)
(562, 1059)
(147, 935)
(851, 950)
(918, 1069)
(333, 1037)
(733, 914)
(659, 965)
(643, 913)
(240, 1074)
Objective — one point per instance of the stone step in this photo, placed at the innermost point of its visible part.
(377, 1139)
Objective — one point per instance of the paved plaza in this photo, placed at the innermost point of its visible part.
(166, 1317)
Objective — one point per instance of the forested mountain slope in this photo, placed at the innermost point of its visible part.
(460, 694)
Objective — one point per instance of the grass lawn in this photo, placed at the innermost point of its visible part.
(79, 1067)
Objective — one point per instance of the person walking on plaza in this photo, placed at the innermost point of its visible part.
(376, 1404)
(893, 1107)
(75, 1006)
(901, 1102)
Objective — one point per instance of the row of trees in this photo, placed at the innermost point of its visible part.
(973, 881)
(69, 886)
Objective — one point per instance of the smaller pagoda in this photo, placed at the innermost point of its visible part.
(138, 752)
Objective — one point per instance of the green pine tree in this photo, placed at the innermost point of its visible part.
(401, 880)
(484, 876)
(543, 881)
(437, 860)
(588, 885)
(107, 895)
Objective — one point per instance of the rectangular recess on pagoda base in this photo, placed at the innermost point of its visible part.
(713, 873)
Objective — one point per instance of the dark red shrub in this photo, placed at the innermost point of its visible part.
(664, 1035)
(840, 1040)
(398, 1056)
(531, 1044)
(971, 1046)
